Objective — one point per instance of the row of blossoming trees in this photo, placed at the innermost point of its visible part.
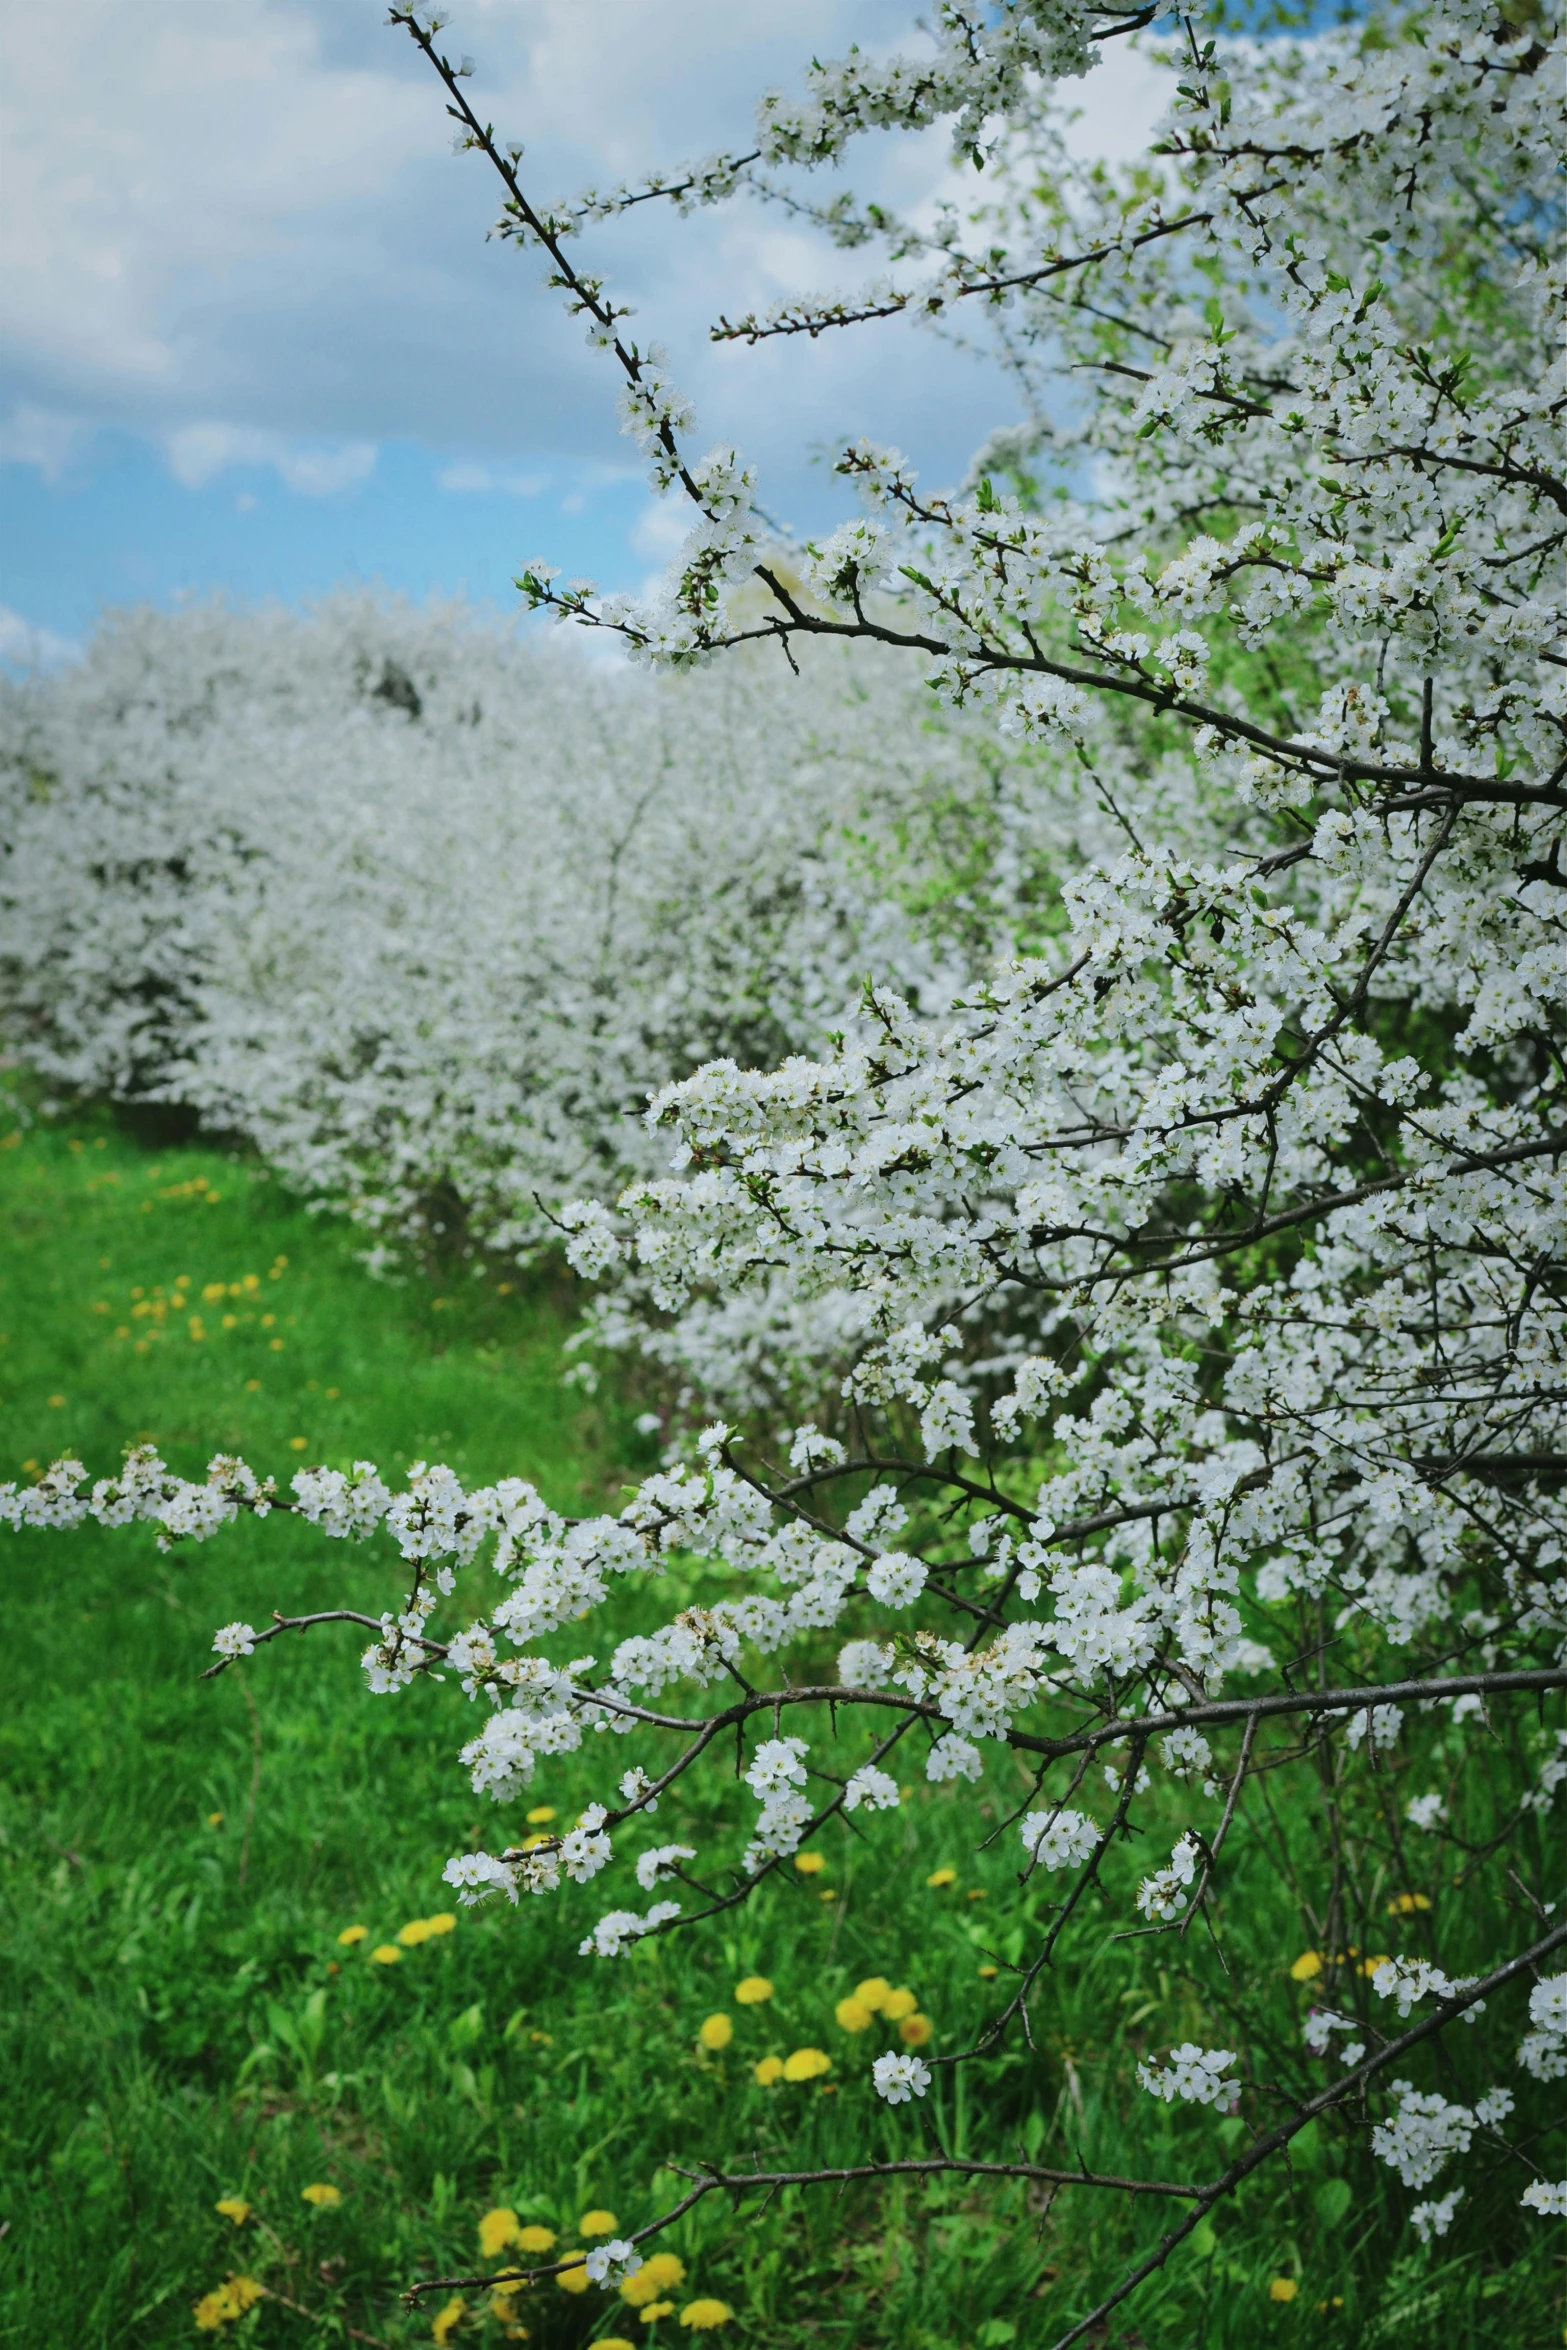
(1181, 1308)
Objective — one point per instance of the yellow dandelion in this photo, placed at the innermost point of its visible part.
(352, 1934)
(575, 2278)
(716, 2032)
(655, 2310)
(657, 2274)
(214, 1819)
(324, 2197)
(386, 1954)
(769, 2070)
(443, 1922)
(541, 1814)
(597, 2223)
(753, 1991)
(416, 1931)
(978, 1893)
(940, 1877)
(873, 1993)
(852, 2015)
(915, 2030)
(1404, 1904)
(1368, 1966)
(446, 2322)
(233, 2207)
(497, 2229)
(1307, 1967)
(211, 2311)
(297, 1443)
(707, 2315)
(806, 2064)
(988, 1974)
(535, 2239)
(1283, 2289)
(897, 2005)
(613, 2342)
(809, 1864)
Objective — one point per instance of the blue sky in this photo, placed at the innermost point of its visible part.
(254, 339)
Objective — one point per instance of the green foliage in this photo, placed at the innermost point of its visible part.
(181, 2021)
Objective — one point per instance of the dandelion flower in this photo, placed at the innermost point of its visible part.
(897, 2005)
(497, 2229)
(806, 2064)
(753, 1991)
(852, 2015)
(214, 1819)
(386, 1954)
(613, 2342)
(574, 2279)
(873, 1993)
(809, 1864)
(1283, 2289)
(657, 2274)
(416, 1931)
(540, 1814)
(770, 2069)
(597, 2223)
(352, 1934)
(940, 1877)
(227, 2302)
(1403, 1904)
(915, 2030)
(716, 2032)
(233, 2207)
(324, 2197)
(706, 2315)
(445, 2324)
(988, 1974)
(1307, 1967)
(443, 1922)
(535, 2239)
(657, 2309)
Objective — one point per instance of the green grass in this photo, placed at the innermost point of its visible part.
(180, 2021)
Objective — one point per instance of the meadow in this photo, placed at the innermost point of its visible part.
(231, 1974)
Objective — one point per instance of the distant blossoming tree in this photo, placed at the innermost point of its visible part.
(1204, 1427)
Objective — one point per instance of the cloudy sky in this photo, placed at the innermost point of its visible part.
(252, 336)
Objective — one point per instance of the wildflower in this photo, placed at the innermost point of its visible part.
(988, 1974)
(897, 2005)
(386, 1954)
(323, 2196)
(535, 2239)
(716, 2032)
(1307, 1967)
(446, 2322)
(227, 2302)
(873, 1993)
(352, 1934)
(609, 2341)
(897, 2078)
(233, 2207)
(1402, 1904)
(575, 2278)
(852, 2015)
(809, 1864)
(597, 2223)
(415, 1932)
(915, 2030)
(214, 1819)
(806, 2064)
(657, 2274)
(706, 2316)
(443, 1922)
(769, 2070)
(940, 1877)
(1283, 2289)
(541, 1814)
(753, 1991)
(657, 2309)
(497, 2229)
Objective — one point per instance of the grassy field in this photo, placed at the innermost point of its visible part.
(184, 2020)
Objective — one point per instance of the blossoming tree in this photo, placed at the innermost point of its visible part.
(1204, 1431)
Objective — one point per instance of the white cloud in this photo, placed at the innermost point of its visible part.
(43, 437)
(662, 528)
(488, 481)
(22, 646)
(198, 453)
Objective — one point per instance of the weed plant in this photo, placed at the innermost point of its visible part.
(190, 2014)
